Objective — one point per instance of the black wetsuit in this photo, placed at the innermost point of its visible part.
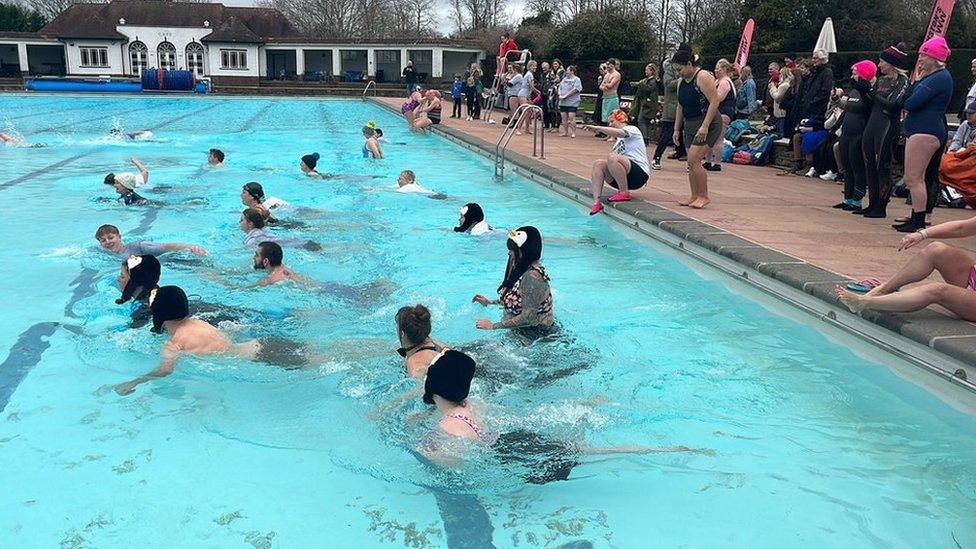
(881, 134)
(851, 156)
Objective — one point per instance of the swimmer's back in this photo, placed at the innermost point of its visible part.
(196, 337)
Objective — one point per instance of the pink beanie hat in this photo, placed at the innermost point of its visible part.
(865, 69)
(936, 48)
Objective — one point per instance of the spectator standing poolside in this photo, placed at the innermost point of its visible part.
(543, 81)
(697, 119)
(857, 109)
(666, 138)
(526, 94)
(726, 111)
(971, 96)
(925, 125)
(609, 85)
(570, 87)
(745, 102)
(776, 90)
(598, 105)
(644, 107)
(472, 98)
(457, 96)
(410, 76)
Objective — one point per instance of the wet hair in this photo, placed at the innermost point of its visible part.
(526, 255)
(272, 252)
(255, 190)
(684, 55)
(369, 131)
(311, 160)
(106, 229)
(218, 154)
(254, 217)
(414, 322)
(410, 175)
(109, 179)
(379, 132)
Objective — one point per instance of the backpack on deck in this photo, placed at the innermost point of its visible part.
(737, 129)
(755, 152)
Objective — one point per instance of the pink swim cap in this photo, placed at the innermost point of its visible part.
(936, 48)
(865, 69)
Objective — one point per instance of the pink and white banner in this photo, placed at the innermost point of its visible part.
(742, 55)
(938, 24)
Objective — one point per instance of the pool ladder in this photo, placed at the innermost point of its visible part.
(371, 83)
(538, 136)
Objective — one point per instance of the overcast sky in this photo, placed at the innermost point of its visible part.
(514, 12)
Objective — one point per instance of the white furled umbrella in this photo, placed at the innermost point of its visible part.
(826, 41)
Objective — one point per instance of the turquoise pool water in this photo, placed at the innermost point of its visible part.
(811, 443)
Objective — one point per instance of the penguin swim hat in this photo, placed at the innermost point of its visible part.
(472, 214)
(144, 271)
(168, 303)
(449, 376)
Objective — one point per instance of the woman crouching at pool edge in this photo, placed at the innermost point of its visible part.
(371, 148)
(524, 294)
(626, 167)
(418, 349)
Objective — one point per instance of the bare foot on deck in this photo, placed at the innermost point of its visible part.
(688, 202)
(701, 203)
(852, 301)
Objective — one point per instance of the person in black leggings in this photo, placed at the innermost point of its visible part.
(883, 129)
(856, 113)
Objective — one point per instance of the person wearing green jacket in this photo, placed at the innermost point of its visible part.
(644, 107)
(666, 138)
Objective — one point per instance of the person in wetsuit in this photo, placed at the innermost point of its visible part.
(856, 112)
(883, 129)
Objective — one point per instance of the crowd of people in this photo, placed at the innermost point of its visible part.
(847, 134)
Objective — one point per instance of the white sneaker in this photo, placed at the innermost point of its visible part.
(811, 173)
(829, 176)
(655, 165)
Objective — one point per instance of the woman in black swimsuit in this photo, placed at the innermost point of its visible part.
(418, 348)
(697, 116)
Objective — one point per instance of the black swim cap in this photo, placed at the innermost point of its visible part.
(311, 160)
(168, 303)
(110, 179)
(449, 376)
(256, 190)
(144, 271)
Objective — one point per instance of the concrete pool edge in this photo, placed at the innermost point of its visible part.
(938, 343)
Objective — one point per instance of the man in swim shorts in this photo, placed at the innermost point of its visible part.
(110, 239)
(269, 256)
(171, 313)
(609, 85)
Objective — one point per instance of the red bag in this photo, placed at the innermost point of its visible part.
(958, 170)
(743, 157)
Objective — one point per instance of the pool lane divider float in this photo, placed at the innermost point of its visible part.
(152, 81)
(935, 343)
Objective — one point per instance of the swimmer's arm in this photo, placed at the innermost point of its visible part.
(175, 246)
(374, 148)
(142, 169)
(534, 292)
(171, 352)
(612, 132)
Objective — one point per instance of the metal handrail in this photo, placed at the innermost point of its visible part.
(514, 121)
(366, 89)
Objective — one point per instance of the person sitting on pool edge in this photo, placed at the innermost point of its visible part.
(418, 349)
(429, 111)
(626, 167)
(371, 148)
(215, 158)
(125, 183)
(447, 386)
(252, 223)
(110, 239)
(958, 269)
(269, 256)
(524, 294)
(472, 221)
(171, 313)
(309, 161)
(252, 196)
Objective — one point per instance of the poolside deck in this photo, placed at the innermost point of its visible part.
(790, 214)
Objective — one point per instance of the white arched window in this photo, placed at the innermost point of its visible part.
(167, 56)
(139, 56)
(194, 58)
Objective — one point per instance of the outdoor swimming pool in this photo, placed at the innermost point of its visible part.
(812, 444)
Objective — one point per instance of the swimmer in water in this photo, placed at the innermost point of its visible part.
(252, 196)
(380, 138)
(252, 223)
(417, 348)
(138, 277)
(110, 239)
(407, 183)
(138, 135)
(269, 256)
(125, 183)
(371, 148)
(309, 161)
(446, 387)
(215, 158)
(524, 294)
(472, 221)
(171, 313)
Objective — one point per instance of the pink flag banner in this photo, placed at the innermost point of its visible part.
(742, 55)
(938, 24)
